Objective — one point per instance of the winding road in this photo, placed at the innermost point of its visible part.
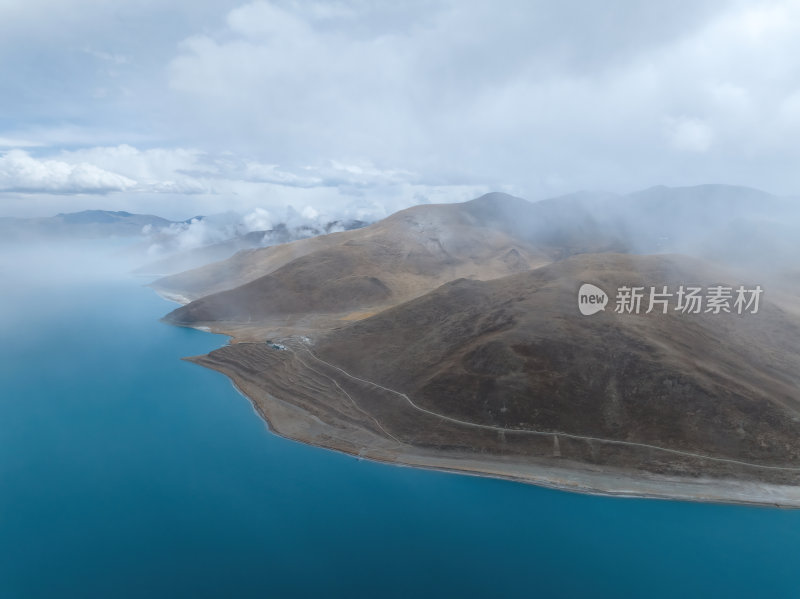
(528, 431)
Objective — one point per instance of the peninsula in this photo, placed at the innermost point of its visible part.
(450, 337)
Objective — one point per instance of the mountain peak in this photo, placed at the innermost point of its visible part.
(497, 198)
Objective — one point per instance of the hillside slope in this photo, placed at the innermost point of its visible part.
(516, 353)
(467, 239)
(358, 273)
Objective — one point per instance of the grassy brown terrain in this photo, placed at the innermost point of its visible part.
(515, 353)
(412, 251)
(444, 337)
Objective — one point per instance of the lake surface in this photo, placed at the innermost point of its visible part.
(126, 472)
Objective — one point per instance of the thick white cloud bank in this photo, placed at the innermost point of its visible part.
(372, 106)
(21, 172)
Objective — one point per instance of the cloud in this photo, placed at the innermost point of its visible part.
(158, 170)
(690, 135)
(455, 77)
(181, 182)
(259, 220)
(200, 232)
(7, 142)
(549, 97)
(331, 173)
(231, 104)
(102, 170)
(21, 172)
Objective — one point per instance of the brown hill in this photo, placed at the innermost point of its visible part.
(450, 336)
(516, 354)
(490, 236)
(349, 275)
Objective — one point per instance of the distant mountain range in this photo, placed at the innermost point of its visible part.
(87, 224)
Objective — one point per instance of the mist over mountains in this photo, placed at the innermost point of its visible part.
(162, 246)
(455, 328)
(737, 227)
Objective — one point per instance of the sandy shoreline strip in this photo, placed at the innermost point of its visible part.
(290, 422)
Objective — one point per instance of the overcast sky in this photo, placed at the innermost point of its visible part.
(189, 106)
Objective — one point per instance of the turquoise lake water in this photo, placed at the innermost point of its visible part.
(126, 472)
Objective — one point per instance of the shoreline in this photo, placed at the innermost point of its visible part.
(583, 479)
(282, 419)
